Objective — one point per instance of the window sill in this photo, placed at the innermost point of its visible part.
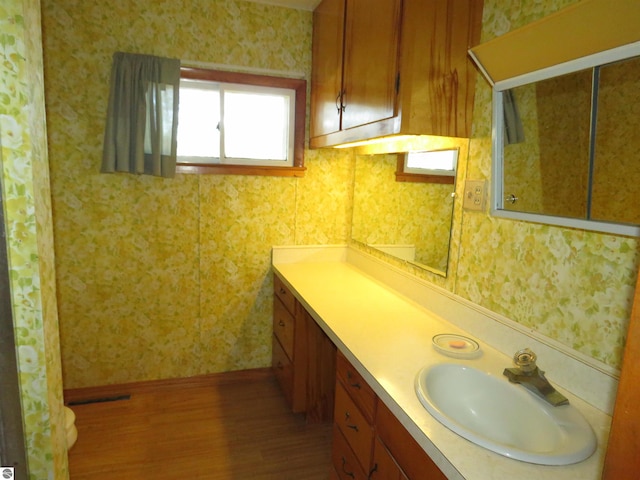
(218, 169)
(421, 178)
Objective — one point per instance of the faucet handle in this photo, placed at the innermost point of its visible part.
(525, 359)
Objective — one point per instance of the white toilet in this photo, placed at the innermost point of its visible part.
(70, 427)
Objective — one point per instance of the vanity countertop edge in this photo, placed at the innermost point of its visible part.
(387, 337)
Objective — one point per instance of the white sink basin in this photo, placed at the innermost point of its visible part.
(502, 417)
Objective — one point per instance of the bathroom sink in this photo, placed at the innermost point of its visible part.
(502, 417)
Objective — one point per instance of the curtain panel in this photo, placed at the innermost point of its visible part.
(142, 117)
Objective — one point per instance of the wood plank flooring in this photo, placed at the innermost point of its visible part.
(228, 426)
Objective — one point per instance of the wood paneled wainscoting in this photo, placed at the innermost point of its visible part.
(234, 425)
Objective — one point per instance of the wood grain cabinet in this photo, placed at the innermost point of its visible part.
(384, 67)
(368, 440)
(303, 357)
(289, 346)
(355, 63)
(396, 444)
(354, 430)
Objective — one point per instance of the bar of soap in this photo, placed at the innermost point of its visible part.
(457, 344)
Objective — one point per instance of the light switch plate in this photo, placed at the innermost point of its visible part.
(475, 193)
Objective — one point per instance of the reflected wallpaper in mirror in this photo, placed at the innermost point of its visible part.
(548, 170)
(411, 221)
(616, 171)
(579, 153)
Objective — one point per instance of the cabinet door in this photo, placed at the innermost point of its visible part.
(407, 453)
(321, 372)
(326, 75)
(370, 61)
(384, 466)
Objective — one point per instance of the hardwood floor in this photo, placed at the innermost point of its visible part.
(228, 426)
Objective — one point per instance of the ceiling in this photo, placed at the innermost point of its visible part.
(299, 4)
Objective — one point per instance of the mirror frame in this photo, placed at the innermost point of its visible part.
(497, 137)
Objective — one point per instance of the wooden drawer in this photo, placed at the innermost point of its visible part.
(284, 294)
(359, 390)
(384, 466)
(345, 464)
(354, 426)
(283, 369)
(409, 455)
(283, 326)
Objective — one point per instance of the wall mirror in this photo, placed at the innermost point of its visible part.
(400, 215)
(566, 151)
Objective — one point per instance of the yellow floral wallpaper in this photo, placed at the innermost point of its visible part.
(26, 197)
(573, 286)
(387, 212)
(171, 278)
(166, 278)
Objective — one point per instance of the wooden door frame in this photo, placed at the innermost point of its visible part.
(622, 459)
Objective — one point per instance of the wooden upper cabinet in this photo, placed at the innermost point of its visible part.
(370, 61)
(355, 65)
(326, 75)
(403, 69)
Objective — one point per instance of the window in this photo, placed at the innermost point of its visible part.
(436, 166)
(240, 123)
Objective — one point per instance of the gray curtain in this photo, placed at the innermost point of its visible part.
(142, 117)
(513, 130)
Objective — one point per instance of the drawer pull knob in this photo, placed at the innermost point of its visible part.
(346, 472)
(347, 416)
(281, 323)
(279, 366)
(282, 291)
(350, 376)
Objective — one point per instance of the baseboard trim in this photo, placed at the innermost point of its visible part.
(84, 394)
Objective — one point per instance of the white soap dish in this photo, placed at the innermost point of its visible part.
(456, 346)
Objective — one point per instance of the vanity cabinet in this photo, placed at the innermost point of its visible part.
(385, 67)
(395, 443)
(288, 346)
(303, 357)
(354, 430)
(368, 440)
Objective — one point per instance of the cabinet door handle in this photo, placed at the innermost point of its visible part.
(347, 472)
(373, 470)
(339, 103)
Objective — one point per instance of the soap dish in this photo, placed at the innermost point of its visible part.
(456, 346)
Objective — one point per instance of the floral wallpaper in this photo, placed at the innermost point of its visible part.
(171, 278)
(573, 286)
(387, 212)
(26, 197)
(163, 278)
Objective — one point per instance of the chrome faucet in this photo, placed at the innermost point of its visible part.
(532, 378)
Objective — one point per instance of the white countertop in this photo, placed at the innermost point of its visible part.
(388, 338)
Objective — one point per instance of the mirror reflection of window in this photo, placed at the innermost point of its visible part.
(435, 166)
